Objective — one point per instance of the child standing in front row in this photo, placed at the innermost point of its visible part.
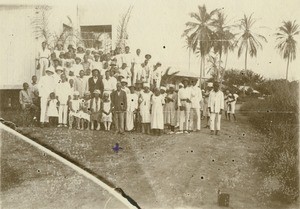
(106, 111)
(96, 110)
(86, 112)
(52, 111)
(74, 106)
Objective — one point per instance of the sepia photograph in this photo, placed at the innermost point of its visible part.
(162, 104)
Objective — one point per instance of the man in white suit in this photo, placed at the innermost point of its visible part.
(46, 85)
(196, 97)
(215, 107)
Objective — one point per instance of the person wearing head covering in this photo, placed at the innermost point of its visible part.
(58, 72)
(70, 54)
(157, 118)
(157, 74)
(170, 108)
(96, 64)
(132, 106)
(95, 82)
(81, 84)
(215, 107)
(96, 112)
(124, 86)
(145, 106)
(125, 72)
(85, 111)
(80, 51)
(184, 103)
(206, 112)
(118, 57)
(52, 110)
(106, 111)
(127, 58)
(77, 66)
(137, 67)
(59, 49)
(119, 107)
(43, 57)
(74, 110)
(63, 93)
(46, 85)
(196, 97)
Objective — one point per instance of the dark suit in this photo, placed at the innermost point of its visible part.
(119, 106)
(97, 85)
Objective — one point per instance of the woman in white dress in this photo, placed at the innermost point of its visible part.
(74, 106)
(106, 111)
(145, 105)
(132, 105)
(157, 106)
(85, 111)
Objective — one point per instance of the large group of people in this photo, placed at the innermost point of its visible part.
(87, 89)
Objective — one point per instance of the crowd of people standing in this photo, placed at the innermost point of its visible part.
(84, 88)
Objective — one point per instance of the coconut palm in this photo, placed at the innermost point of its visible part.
(248, 40)
(200, 33)
(286, 42)
(189, 46)
(122, 35)
(40, 22)
(223, 39)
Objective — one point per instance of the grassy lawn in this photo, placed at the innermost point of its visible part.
(170, 171)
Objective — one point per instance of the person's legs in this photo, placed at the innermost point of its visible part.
(218, 123)
(65, 114)
(105, 125)
(181, 120)
(71, 119)
(198, 119)
(121, 119)
(116, 121)
(108, 126)
(43, 110)
(92, 124)
(82, 124)
(60, 115)
(187, 116)
(212, 122)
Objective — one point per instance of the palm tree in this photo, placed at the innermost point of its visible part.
(223, 39)
(189, 46)
(286, 42)
(122, 34)
(248, 39)
(200, 33)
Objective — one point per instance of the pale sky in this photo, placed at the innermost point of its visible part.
(159, 23)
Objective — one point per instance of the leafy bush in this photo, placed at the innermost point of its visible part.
(277, 118)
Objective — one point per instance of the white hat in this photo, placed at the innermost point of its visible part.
(50, 69)
(76, 93)
(180, 84)
(59, 68)
(210, 84)
(124, 80)
(163, 88)
(171, 86)
(147, 85)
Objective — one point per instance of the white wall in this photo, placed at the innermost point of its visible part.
(18, 46)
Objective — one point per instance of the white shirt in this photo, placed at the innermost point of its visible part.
(138, 60)
(157, 74)
(109, 84)
(46, 85)
(196, 96)
(44, 53)
(63, 91)
(127, 58)
(184, 93)
(96, 65)
(76, 69)
(216, 101)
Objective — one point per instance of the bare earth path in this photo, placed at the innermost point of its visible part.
(171, 171)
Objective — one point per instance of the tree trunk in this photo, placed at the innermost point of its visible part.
(287, 68)
(246, 56)
(200, 79)
(223, 72)
(189, 59)
(219, 69)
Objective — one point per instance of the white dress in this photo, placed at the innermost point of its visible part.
(85, 114)
(145, 107)
(132, 105)
(52, 108)
(157, 118)
(106, 108)
(75, 106)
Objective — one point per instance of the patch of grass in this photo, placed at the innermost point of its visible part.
(277, 118)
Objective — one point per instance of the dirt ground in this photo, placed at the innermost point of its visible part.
(170, 171)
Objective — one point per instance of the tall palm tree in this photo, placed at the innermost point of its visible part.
(248, 39)
(189, 46)
(200, 33)
(286, 42)
(223, 39)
